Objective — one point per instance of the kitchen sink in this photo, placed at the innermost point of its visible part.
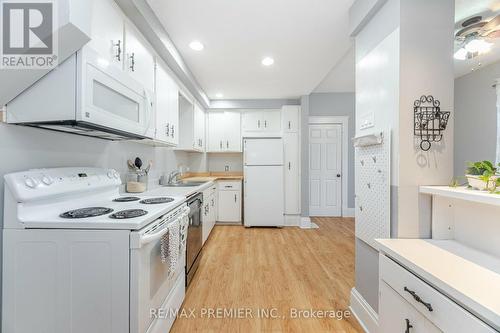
(185, 184)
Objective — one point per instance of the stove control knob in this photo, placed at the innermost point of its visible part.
(47, 180)
(31, 182)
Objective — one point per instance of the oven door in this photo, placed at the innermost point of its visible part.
(150, 283)
(111, 98)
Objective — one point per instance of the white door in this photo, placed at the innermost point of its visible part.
(292, 177)
(139, 60)
(271, 121)
(232, 121)
(291, 114)
(163, 105)
(215, 131)
(264, 192)
(252, 121)
(107, 31)
(229, 206)
(263, 152)
(325, 166)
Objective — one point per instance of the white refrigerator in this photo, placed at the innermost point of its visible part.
(264, 190)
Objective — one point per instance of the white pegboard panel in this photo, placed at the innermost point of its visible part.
(373, 191)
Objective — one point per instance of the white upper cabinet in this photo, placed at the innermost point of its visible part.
(107, 27)
(224, 131)
(291, 118)
(261, 123)
(139, 59)
(167, 108)
(199, 127)
(191, 126)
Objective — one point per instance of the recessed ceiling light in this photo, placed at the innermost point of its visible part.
(219, 95)
(196, 45)
(267, 61)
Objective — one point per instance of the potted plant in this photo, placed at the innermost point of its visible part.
(482, 175)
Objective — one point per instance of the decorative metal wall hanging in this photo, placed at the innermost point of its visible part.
(429, 121)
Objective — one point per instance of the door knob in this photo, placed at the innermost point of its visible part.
(338, 175)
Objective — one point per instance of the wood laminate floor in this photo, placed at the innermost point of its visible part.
(277, 272)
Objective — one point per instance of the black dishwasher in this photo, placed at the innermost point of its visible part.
(194, 236)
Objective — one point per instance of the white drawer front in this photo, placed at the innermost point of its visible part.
(396, 315)
(226, 185)
(428, 301)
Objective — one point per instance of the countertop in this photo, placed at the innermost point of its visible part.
(213, 176)
(466, 275)
(178, 191)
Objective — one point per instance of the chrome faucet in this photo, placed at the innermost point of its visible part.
(174, 175)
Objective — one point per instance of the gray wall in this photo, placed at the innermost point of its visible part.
(338, 104)
(327, 104)
(475, 117)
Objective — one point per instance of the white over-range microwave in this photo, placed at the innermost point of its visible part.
(88, 96)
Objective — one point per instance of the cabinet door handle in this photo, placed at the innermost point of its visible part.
(289, 125)
(172, 131)
(289, 165)
(221, 144)
(265, 123)
(118, 54)
(408, 326)
(167, 130)
(132, 62)
(235, 198)
(227, 144)
(258, 123)
(418, 299)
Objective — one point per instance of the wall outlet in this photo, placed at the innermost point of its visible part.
(226, 168)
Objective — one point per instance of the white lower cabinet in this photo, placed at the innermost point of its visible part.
(229, 201)
(209, 211)
(409, 304)
(398, 316)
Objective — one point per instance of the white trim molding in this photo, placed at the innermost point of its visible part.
(344, 122)
(364, 313)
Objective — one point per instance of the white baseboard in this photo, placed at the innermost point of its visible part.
(364, 313)
(305, 222)
(348, 212)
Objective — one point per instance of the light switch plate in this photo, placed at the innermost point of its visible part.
(367, 121)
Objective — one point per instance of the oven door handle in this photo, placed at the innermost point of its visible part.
(145, 239)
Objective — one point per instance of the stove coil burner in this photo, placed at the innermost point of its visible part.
(128, 214)
(86, 212)
(126, 199)
(155, 201)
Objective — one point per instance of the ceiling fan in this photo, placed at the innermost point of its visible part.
(475, 36)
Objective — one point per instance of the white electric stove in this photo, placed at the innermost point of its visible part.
(80, 257)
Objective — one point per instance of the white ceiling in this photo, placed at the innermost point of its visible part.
(307, 38)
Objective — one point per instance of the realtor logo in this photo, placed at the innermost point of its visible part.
(28, 38)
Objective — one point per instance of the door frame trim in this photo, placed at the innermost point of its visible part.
(344, 122)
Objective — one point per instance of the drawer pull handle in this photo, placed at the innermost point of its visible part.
(418, 299)
(408, 326)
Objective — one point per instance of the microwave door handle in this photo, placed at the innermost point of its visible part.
(149, 106)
